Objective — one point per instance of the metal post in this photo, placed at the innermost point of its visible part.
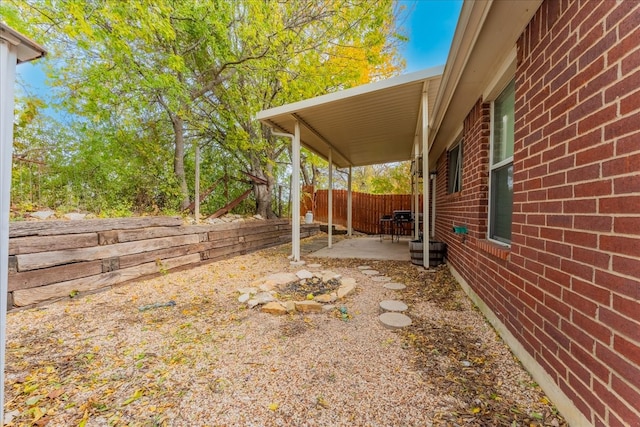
(330, 197)
(295, 190)
(425, 179)
(349, 205)
(8, 60)
(196, 211)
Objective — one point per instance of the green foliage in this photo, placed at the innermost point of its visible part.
(145, 81)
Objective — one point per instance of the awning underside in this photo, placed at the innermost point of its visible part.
(371, 124)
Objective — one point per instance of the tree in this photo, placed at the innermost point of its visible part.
(316, 47)
(145, 80)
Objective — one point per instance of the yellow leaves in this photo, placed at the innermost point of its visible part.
(273, 406)
(30, 388)
(322, 402)
(135, 396)
(475, 410)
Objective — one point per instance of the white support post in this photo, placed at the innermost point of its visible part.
(295, 193)
(8, 60)
(349, 205)
(416, 189)
(330, 197)
(425, 180)
(196, 210)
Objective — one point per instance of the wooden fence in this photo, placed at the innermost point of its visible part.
(54, 259)
(367, 208)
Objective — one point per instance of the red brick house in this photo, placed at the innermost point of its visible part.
(533, 132)
(548, 185)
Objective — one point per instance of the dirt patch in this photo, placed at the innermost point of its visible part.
(100, 361)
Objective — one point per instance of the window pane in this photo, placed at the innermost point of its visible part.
(501, 203)
(503, 124)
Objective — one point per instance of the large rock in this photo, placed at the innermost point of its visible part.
(42, 214)
(326, 298)
(304, 274)
(267, 285)
(249, 290)
(259, 299)
(329, 275)
(348, 281)
(308, 306)
(274, 307)
(281, 278)
(244, 298)
(290, 306)
(345, 289)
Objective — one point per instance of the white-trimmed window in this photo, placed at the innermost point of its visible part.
(501, 178)
(454, 183)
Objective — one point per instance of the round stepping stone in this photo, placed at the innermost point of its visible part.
(394, 286)
(392, 320)
(364, 267)
(370, 272)
(393, 305)
(381, 279)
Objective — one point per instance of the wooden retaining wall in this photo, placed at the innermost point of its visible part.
(54, 259)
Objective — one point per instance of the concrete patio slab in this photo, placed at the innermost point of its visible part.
(367, 248)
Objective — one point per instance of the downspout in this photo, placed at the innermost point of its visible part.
(416, 193)
(433, 206)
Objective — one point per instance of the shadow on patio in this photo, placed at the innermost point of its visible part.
(364, 247)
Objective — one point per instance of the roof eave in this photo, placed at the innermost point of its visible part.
(425, 74)
(27, 49)
(462, 85)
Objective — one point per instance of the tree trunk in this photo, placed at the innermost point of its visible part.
(263, 193)
(178, 160)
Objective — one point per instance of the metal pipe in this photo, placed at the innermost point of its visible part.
(425, 180)
(330, 197)
(349, 205)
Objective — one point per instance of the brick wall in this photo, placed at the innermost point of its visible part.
(569, 288)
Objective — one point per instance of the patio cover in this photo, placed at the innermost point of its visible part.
(365, 125)
(382, 122)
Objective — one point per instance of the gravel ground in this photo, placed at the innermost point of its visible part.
(97, 360)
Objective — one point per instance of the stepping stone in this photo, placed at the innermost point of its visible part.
(381, 279)
(304, 274)
(392, 320)
(394, 286)
(370, 272)
(364, 267)
(393, 305)
(314, 265)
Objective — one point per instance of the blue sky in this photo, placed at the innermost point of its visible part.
(430, 28)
